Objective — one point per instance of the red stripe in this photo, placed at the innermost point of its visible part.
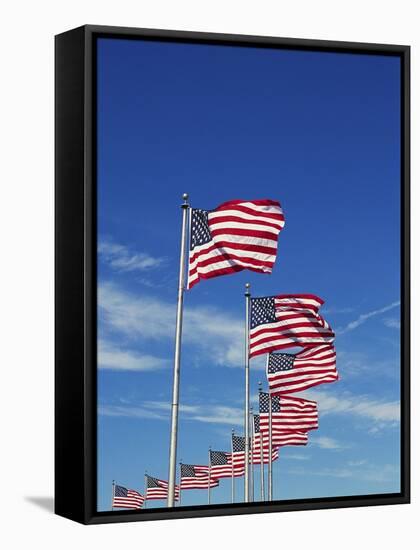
(274, 348)
(306, 386)
(280, 377)
(245, 233)
(251, 247)
(227, 256)
(294, 337)
(301, 296)
(236, 219)
(257, 202)
(280, 329)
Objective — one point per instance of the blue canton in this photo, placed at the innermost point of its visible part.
(264, 402)
(200, 232)
(280, 362)
(263, 311)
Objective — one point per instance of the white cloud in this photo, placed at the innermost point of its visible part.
(159, 410)
(121, 258)
(376, 473)
(354, 363)
(294, 457)
(392, 323)
(324, 442)
(387, 412)
(213, 332)
(112, 357)
(365, 316)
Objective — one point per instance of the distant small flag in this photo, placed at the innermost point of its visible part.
(222, 466)
(157, 489)
(239, 453)
(126, 498)
(286, 320)
(236, 235)
(288, 413)
(279, 438)
(196, 477)
(288, 373)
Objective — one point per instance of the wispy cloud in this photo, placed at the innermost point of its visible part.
(324, 442)
(384, 412)
(392, 323)
(157, 410)
(377, 473)
(112, 357)
(365, 316)
(121, 258)
(212, 332)
(355, 363)
(286, 456)
(337, 310)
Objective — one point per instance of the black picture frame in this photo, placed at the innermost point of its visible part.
(75, 274)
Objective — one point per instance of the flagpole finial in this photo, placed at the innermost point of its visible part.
(247, 291)
(259, 386)
(185, 198)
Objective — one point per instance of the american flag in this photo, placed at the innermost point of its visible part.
(126, 498)
(281, 438)
(222, 465)
(288, 373)
(239, 453)
(288, 413)
(236, 235)
(157, 489)
(196, 477)
(286, 320)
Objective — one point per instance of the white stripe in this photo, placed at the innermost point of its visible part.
(237, 225)
(214, 216)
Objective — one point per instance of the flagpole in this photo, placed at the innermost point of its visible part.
(177, 357)
(246, 419)
(113, 494)
(233, 469)
(262, 480)
(208, 483)
(251, 416)
(270, 450)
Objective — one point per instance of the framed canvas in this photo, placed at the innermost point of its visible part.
(232, 274)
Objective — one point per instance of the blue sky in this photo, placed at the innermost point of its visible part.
(320, 133)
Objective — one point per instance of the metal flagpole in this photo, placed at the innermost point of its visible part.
(208, 486)
(270, 449)
(246, 419)
(262, 481)
(251, 421)
(177, 358)
(233, 469)
(113, 494)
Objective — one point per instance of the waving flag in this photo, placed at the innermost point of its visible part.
(196, 477)
(238, 444)
(286, 320)
(157, 489)
(236, 235)
(282, 438)
(288, 373)
(222, 466)
(126, 498)
(279, 438)
(288, 413)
